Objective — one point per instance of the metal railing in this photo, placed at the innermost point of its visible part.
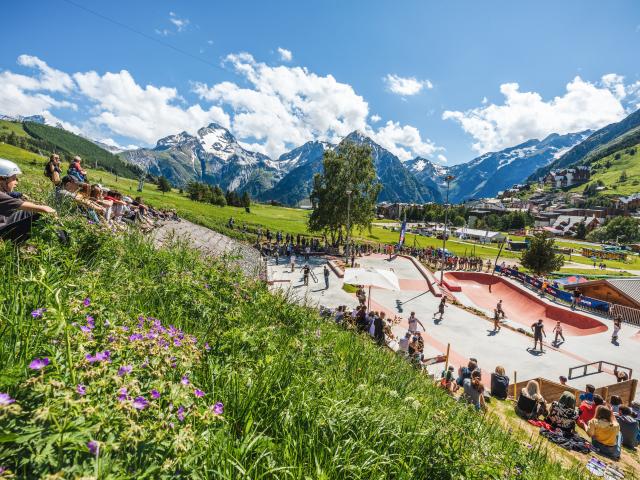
(627, 314)
(585, 368)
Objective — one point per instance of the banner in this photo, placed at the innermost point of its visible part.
(403, 231)
(565, 296)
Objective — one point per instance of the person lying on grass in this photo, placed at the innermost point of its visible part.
(17, 214)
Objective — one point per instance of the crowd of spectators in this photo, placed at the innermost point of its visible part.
(99, 204)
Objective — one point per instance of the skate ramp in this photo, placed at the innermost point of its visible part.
(521, 307)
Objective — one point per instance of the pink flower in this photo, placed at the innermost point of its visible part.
(199, 393)
(185, 380)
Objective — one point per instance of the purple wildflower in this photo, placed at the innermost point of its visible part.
(81, 389)
(185, 380)
(37, 313)
(207, 347)
(123, 370)
(5, 400)
(91, 321)
(181, 414)
(85, 329)
(124, 329)
(104, 356)
(94, 447)
(218, 408)
(140, 403)
(155, 394)
(199, 393)
(177, 342)
(107, 323)
(87, 302)
(39, 363)
(122, 394)
(135, 336)
(206, 285)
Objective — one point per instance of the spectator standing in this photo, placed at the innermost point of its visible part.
(326, 274)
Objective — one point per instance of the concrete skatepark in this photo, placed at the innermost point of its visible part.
(588, 337)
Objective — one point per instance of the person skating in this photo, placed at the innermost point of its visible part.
(499, 309)
(441, 308)
(538, 333)
(326, 277)
(617, 326)
(558, 331)
(305, 274)
(413, 323)
(496, 320)
(292, 260)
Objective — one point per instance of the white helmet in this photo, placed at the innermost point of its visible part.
(8, 168)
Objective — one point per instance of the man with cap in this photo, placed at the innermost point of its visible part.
(16, 214)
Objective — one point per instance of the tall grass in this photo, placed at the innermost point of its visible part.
(302, 397)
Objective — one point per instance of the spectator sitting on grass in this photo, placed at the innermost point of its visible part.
(465, 372)
(605, 433)
(16, 214)
(473, 390)
(563, 413)
(531, 403)
(588, 410)
(499, 383)
(615, 401)
(76, 171)
(447, 378)
(588, 394)
(629, 427)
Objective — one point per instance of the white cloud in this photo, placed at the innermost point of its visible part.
(442, 158)
(285, 55)
(180, 23)
(404, 141)
(405, 86)
(142, 113)
(526, 115)
(282, 107)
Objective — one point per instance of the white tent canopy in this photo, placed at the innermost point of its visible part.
(372, 277)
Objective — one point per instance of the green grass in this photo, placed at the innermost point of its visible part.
(610, 176)
(302, 397)
(15, 127)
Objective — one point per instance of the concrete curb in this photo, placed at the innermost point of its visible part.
(426, 273)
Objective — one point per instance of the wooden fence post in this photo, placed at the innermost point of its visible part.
(634, 387)
(446, 362)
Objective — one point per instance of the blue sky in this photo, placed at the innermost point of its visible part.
(439, 75)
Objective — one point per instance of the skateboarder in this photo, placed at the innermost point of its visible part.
(558, 331)
(538, 332)
(326, 277)
(413, 323)
(499, 308)
(293, 261)
(305, 274)
(496, 320)
(441, 307)
(617, 325)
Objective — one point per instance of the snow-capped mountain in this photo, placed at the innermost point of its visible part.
(302, 164)
(493, 172)
(398, 183)
(428, 173)
(212, 156)
(20, 118)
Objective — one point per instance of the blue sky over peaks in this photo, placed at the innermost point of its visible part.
(443, 80)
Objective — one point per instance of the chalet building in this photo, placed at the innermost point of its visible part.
(621, 291)
(567, 177)
(629, 204)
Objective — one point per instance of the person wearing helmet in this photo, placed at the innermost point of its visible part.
(16, 214)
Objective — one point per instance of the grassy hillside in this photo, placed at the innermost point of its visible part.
(610, 168)
(208, 375)
(70, 144)
(6, 127)
(290, 220)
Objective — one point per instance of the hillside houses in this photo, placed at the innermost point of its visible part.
(567, 177)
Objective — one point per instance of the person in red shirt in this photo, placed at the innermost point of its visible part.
(588, 410)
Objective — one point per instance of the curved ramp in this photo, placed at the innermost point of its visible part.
(520, 306)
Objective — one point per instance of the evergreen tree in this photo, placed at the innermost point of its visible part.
(245, 201)
(581, 231)
(540, 257)
(163, 184)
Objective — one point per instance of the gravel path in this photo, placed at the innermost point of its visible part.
(211, 243)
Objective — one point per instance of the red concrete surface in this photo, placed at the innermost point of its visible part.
(521, 306)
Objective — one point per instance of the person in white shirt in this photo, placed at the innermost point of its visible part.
(403, 344)
(413, 323)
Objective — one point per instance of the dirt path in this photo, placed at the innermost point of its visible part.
(211, 243)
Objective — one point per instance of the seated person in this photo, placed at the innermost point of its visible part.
(605, 433)
(465, 372)
(447, 380)
(403, 344)
(474, 390)
(563, 413)
(629, 427)
(16, 214)
(530, 403)
(588, 394)
(588, 410)
(499, 383)
(615, 401)
(76, 171)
